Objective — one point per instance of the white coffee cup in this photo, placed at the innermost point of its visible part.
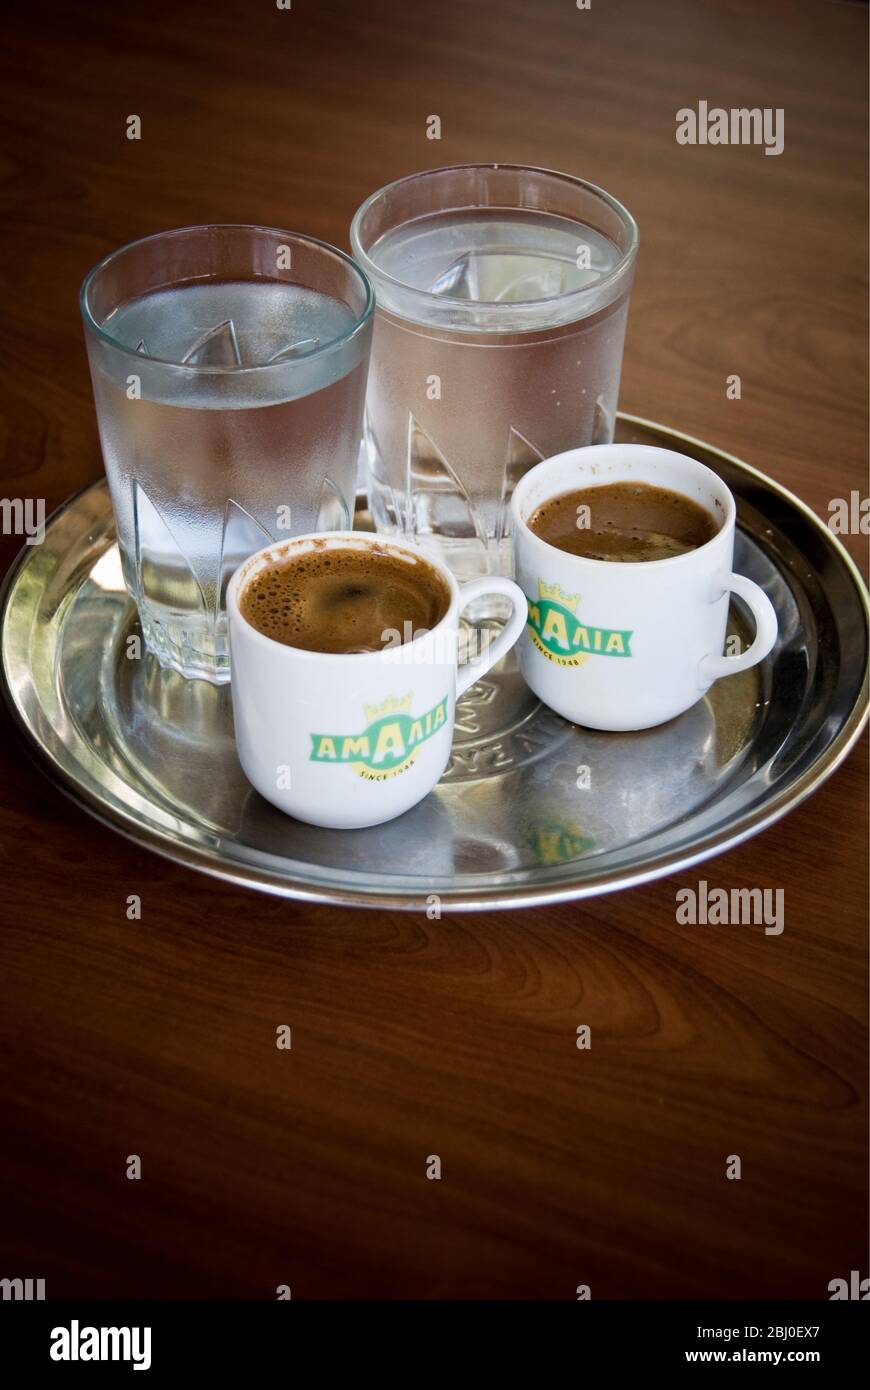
(347, 740)
(627, 645)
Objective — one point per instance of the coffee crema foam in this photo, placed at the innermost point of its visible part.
(335, 600)
(623, 522)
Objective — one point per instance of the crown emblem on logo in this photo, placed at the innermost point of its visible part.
(392, 705)
(556, 594)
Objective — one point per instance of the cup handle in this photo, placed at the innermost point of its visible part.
(710, 668)
(470, 671)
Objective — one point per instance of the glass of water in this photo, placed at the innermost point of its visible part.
(502, 299)
(229, 368)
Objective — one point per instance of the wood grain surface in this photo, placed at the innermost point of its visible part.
(413, 1037)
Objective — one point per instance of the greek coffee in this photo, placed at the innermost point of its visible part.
(623, 521)
(333, 599)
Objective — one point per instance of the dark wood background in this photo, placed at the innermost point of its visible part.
(457, 1037)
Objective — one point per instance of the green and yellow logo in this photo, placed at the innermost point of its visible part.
(389, 743)
(557, 841)
(560, 636)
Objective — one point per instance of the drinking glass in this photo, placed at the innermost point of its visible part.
(229, 366)
(502, 295)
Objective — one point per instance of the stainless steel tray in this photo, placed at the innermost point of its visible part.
(513, 821)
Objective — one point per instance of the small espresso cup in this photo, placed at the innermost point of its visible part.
(628, 645)
(347, 740)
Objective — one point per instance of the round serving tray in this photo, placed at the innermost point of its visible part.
(531, 809)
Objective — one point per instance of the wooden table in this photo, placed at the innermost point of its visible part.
(412, 1037)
